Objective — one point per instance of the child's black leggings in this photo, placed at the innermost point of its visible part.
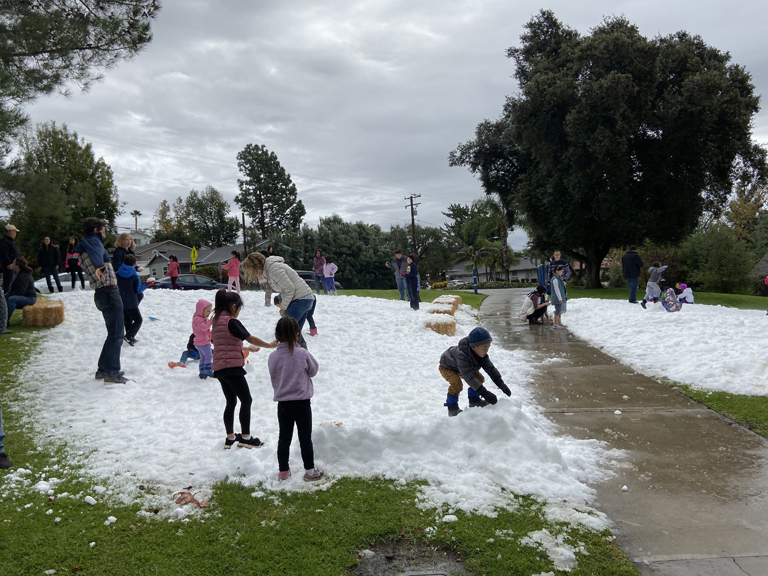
(234, 388)
(297, 412)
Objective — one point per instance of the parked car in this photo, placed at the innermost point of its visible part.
(66, 282)
(191, 282)
(309, 277)
(455, 283)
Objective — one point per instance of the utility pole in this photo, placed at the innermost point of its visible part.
(412, 206)
(245, 245)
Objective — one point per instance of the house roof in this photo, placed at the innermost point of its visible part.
(154, 246)
(524, 264)
(761, 268)
(205, 257)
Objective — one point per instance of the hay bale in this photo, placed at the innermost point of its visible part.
(441, 309)
(449, 299)
(442, 324)
(44, 313)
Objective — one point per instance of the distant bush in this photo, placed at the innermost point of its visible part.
(440, 285)
(209, 271)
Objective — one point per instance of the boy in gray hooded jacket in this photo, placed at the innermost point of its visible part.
(652, 289)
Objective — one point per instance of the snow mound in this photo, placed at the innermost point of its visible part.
(377, 412)
(707, 347)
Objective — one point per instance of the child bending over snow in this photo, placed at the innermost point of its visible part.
(190, 352)
(463, 362)
(291, 369)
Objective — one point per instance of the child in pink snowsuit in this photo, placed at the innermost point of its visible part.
(201, 327)
(233, 271)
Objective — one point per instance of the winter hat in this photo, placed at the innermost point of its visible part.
(479, 336)
(683, 286)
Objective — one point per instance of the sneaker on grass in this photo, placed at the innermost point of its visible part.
(251, 442)
(315, 475)
(5, 462)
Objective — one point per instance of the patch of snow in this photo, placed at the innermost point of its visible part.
(562, 554)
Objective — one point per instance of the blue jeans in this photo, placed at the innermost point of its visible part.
(110, 305)
(2, 434)
(18, 302)
(401, 287)
(320, 283)
(49, 271)
(298, 310)
(632, 288)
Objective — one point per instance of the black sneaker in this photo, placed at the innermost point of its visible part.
(478, 403)
(128, 340)
(115, 379)
(4, 461)
(228, 443)
(643, 305)
(101, 375)
(251, 442)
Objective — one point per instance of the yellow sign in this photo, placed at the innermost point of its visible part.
(193, 256)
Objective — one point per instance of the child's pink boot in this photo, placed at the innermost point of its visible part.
(313, 331)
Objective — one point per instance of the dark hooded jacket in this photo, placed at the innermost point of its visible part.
(631, 264)
(462, 359)
(129, 286)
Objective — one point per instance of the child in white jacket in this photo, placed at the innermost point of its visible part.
(329, 271)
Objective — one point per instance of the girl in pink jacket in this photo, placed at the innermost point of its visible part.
(201, 328)
(233, 271)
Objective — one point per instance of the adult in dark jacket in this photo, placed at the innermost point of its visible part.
(556, 261)
(8, 253)
(48, 262)
(130, 289)
(463, 362)
(398, 265)
(412, 280)
(631, 265)
(22, 292)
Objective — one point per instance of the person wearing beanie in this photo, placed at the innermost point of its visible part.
(463, 362)
(686, 294)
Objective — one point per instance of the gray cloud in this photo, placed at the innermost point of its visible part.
(361, 101)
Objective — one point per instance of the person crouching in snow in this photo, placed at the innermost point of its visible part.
(463, 362)
(190, 352)
(652, 288)
(670, 302)
(201, 328)
(310, 316)
(686, 294)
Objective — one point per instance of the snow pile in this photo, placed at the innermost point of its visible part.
(708, 347)
(562, 554)
(377, 411)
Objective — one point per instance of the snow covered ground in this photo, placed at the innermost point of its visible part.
(708, 347)
(378, 408)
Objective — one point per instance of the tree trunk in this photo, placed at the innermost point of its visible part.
(503, 237)
(594, 260)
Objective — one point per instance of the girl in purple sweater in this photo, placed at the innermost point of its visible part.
(291, 369)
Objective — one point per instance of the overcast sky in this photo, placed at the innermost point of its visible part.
(361, 101)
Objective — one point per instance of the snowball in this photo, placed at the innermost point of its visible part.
(450, 518)
(89, 500)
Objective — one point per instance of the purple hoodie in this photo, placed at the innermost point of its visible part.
(292, 374)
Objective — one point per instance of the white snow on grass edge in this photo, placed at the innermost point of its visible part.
(378, 409)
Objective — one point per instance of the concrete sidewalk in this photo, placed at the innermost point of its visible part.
(696, 503)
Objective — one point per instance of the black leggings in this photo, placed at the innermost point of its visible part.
(538, 313)
(297, 412)
(310, 316)
(234, 388)
(73, 276)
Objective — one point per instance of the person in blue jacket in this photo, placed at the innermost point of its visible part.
(412, 281)
(130, 287)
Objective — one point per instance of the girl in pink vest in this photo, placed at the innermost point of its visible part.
(291, 369)
(233, 271)
(229, 366)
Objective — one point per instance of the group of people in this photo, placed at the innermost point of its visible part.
(325, 272)
(406, 271)
(673, 297)
(536, 306)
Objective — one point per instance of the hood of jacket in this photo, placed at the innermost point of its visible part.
(126, 271)
(93, 245)
(200, 306)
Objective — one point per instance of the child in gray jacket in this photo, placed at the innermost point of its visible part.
(652, 289)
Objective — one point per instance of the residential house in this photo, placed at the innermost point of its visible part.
(524, 271)
(157, 263)
(761, 268)
(141, 238)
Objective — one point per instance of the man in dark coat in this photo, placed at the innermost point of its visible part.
(8, 253)
(631, 265)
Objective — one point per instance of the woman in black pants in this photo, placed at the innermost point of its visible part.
(535, 305)
(72, 264)
(48, 261)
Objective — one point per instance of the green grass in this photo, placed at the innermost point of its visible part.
(468, 298)
(749, 411)
(306, 533)
(732, 300)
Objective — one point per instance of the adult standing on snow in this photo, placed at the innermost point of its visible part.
(48, 261)
(8, 253)
(297, 298)
(631, 265)
(317, 267)
(399, 266)
(95, 262)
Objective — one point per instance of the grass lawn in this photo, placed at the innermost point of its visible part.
(749, 411)
(732, 300)
(468, 298)
(244, 530)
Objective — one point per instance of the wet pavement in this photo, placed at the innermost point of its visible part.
(696, 503)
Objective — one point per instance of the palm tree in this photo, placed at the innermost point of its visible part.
(477, 255)
(136, 215)
(489, 216)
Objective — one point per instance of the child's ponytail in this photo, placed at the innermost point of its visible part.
(223, 302)
(287, 330)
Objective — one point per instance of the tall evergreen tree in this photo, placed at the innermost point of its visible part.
(209, 219)
(267, 193)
